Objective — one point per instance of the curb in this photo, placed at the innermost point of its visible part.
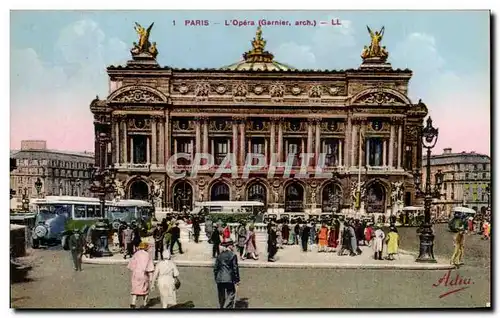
(242, 264)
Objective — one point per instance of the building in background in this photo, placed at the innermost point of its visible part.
(467, 179)
(362, 119)
(60, 172)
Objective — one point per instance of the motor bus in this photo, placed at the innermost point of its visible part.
(459, 216)
(131, 211)
(56, 214)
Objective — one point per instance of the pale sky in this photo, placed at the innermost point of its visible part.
(59, 58)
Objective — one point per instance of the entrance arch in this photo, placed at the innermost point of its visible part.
(294, 197)
(331, 198)
(139, 190)
(219, 192)
(182, 196)
(375, 198)
(257, 192)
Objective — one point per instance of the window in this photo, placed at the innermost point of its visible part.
(92, 211)
(375, 155)
(444, 185)
(221, 150)
(484, 166)
(331, 151)
(140, 149)
(79, 212)
(466, 176)
(294, 148)
(258, 147)
(408, 158)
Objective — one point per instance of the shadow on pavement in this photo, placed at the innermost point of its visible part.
(241, 303)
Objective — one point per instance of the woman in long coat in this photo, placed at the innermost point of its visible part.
(141, 265)
(166, 272)
(285, 232)
(392, 243)
(333, 235)
(322, 238)
(250, 244)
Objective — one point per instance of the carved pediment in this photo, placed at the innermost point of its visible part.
(380, 97)
(137, 94)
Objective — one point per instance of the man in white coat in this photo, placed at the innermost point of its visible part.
(378, 243)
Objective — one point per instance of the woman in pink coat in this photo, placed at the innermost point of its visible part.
(142, 268)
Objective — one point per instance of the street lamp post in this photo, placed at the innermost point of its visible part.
(38, 187)
(102, 184)
(429, 139)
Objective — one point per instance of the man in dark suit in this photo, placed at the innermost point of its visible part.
(76, 244)
(227, 275)
(176, 235)
(272, 242)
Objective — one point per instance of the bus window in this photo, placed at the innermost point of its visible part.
(92, 211)
(79, 212)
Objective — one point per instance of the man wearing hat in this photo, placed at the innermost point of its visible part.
(227, 275)
(76, 244)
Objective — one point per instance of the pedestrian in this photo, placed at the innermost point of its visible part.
(333, 236)
(216, 240)
(458, 253)
(209, 228)
(323, 238)
(296, 233)
(136, 237)
(285, 232)
(272, 243)
(227, 276)
(196, 229)
(392, 240)
(76, 243)
(279, 234)
(312, 234)
(486, 233)
(354, 240)
(128, 235)
(121, 228)
(176, 235)
(168, 232)
(226, 233)
(368, 234)
(142, 268)
(158, 236)
(378, 243)
(241, 234)
(305, 235)
(250, 244)
(167, 274)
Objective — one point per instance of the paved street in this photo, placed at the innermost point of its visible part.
(55, 285)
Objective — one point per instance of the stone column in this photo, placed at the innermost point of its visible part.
(153, 141)
(317, 140)
(347, 141)
(367, 149)
(235, 138)
(266, 153)
(161, 150)
(131, 150)
(384, 153)
(242, 144)
(148, 150)
(117, 141)
(391, 144)
(205, 135)
(175, 146)
(168, 139)
(340, 153)
(125, 141)
(280, 141)
(310, 124)
(400, 144)
(354, 145)
(360, 141)
(198, 136)
(272, 138)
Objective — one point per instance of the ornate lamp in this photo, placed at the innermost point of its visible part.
(429, 139)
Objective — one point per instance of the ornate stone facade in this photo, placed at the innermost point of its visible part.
(262, 106)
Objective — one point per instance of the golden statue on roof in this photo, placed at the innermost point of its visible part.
(257, 53)
(375, 51)
(144, 46)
